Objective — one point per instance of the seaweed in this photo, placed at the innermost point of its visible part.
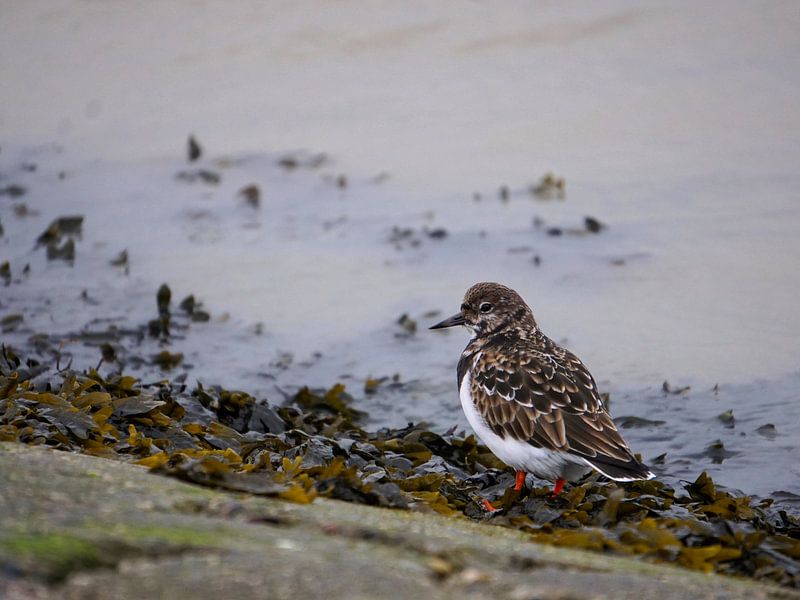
(121, 260)
(301, 160)
(408, 325)
(13, 190)
(549, 187)
(251, 195)
(64, 252)
(315, 446)
(668, 389)
(61, 227)
(593, 225)
(193, 149)
(11, 322)
(205, 176)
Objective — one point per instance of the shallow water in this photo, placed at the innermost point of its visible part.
(328, 296)
(676, 127)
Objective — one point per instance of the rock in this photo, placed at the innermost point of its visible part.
(75, 526)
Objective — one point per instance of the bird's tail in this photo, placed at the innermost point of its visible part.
(618, 470)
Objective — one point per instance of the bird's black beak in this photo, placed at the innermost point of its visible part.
(456, 319)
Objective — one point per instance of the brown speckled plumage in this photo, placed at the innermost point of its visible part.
(527, 388)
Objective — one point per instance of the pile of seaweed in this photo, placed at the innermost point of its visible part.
(315, 447)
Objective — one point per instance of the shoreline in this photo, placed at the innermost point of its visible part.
(313, 447)
(102, 529)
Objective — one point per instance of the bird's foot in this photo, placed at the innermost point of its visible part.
(510, 496)
(559, 485)
(488, 506)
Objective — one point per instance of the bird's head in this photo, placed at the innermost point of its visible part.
(490, 308)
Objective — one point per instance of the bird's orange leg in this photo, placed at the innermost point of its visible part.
(488, 506)
(519, 483)
(559, 485)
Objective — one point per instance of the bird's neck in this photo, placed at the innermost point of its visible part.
(505, 332)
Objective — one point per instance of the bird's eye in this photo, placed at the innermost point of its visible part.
(486, 307)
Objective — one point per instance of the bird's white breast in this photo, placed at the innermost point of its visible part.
(516, 454)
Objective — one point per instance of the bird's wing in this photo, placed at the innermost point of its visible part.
(550, 401)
